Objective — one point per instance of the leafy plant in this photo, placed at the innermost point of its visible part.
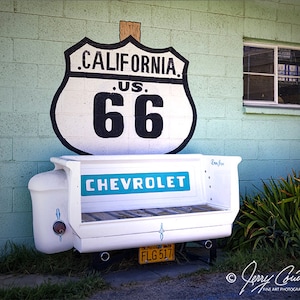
(272, 217)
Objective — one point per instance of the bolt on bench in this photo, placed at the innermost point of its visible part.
(104, 203)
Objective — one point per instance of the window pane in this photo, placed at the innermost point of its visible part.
(288, 56)
(289, 90)
(288, 76)
(258, 60)
(258, 87)
(288, 64)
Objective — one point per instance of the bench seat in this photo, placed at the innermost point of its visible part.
(129, 201)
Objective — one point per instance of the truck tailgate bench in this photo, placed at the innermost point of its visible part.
(113, 202)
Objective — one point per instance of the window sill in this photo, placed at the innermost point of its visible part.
(272, 110)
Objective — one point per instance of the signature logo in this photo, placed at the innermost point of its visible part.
(218, 162)
(276, 282)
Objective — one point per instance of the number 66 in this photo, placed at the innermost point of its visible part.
(117, 121)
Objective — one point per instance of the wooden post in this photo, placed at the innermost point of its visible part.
(130, 28)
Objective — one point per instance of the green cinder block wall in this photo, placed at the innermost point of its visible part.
(34, 35)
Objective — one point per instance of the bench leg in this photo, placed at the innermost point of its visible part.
(213, 252)
(209, 245)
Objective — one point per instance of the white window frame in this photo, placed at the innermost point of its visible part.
(261, 103)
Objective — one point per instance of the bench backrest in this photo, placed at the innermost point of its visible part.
(111, 183)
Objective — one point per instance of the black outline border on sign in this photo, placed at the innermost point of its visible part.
(132, 40)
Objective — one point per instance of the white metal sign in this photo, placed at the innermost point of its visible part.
(123, 98)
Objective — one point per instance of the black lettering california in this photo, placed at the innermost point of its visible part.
(116, 61)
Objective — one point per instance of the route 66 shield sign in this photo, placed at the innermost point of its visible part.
(123, 98)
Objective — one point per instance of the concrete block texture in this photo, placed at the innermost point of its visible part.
(262, 10)
(16, 225)
(38, 52)
(14, 25)
(16, 124)
(6, 145)
(289, 13)
(231, 7)
(61, 29)
(6, 49)
(44, 8)
(16, 174)
(6, 99)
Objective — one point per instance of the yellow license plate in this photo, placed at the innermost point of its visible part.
(154, 254)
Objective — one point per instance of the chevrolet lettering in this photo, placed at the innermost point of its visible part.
(134, 183)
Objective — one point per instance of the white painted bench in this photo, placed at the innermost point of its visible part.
(129, 201)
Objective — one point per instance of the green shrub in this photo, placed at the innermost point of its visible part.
(272, 217)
